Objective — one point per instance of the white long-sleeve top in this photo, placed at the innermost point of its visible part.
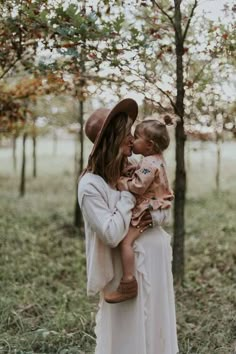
(107, 214)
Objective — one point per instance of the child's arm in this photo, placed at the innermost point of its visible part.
(141, 180)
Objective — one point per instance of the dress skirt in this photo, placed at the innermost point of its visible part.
(146, 324)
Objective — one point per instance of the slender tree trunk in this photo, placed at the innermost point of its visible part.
(188, 162)
(179, 221)
(22, 182)
(180, 174)
(188, 143)
(145, 111)
(55, 140)
(202, 150)
(218, 163)
(14, 152)
(81, 136)
(76, 157)
(78, 219)
(34, 157)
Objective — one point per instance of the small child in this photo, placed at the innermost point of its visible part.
(149, 184)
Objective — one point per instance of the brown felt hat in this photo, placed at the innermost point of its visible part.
(97, 123)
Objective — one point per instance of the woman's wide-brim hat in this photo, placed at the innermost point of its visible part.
(97, 123)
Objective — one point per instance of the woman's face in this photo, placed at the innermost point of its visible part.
(127, 145)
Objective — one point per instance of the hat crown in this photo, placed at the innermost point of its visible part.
(95, 123)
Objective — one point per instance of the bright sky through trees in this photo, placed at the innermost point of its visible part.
(213, 8)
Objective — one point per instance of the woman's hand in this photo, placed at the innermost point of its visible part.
(145, 222)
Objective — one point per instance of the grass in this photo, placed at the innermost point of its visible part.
(43, 306)
(206, 304)
(43, 302)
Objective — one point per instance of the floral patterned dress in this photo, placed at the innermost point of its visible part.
(149, 183)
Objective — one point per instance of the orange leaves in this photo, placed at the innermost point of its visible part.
(225, 36)
(92, 55)
(164, 49)
(26, 88)
(68, 45)
(14, 101)
(55, 84)
(38, 86)
(156, 35)
(154, 32)
(11, 112)
(189, 83)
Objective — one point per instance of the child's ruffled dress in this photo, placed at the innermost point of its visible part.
(149, 183)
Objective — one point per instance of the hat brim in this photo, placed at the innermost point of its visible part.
(127, 105)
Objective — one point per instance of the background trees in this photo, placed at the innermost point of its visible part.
(162, 51)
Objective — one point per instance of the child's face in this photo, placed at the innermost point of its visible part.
(141, 145)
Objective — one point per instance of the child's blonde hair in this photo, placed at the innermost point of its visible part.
(156, 132)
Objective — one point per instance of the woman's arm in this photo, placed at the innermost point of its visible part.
(110, 225)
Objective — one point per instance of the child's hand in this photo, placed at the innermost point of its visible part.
(122, 184)
(129, 170)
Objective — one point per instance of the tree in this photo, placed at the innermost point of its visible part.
(23, 24)
(180, 27)
(160, 32)
(15, 108)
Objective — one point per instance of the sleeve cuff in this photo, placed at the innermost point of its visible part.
(161, 217)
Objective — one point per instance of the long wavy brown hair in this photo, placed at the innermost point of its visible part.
(108, 160)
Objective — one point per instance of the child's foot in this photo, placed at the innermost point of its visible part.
(127, 290)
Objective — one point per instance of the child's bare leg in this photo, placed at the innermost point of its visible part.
(127, 253)
(128, 287)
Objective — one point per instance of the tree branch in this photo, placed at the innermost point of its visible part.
(190, 19)
(155, 103)
(164, 12)
(198, 74)
(150, 81)
(169, 98)
(9, 68)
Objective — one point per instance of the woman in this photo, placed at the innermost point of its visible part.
(146, 324)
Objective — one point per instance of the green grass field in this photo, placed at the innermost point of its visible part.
(43, 302)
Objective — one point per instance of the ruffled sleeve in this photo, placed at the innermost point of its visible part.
(161, 217)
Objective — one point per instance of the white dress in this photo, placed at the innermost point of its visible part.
(146, 324)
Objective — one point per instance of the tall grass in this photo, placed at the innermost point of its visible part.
(43, 302)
